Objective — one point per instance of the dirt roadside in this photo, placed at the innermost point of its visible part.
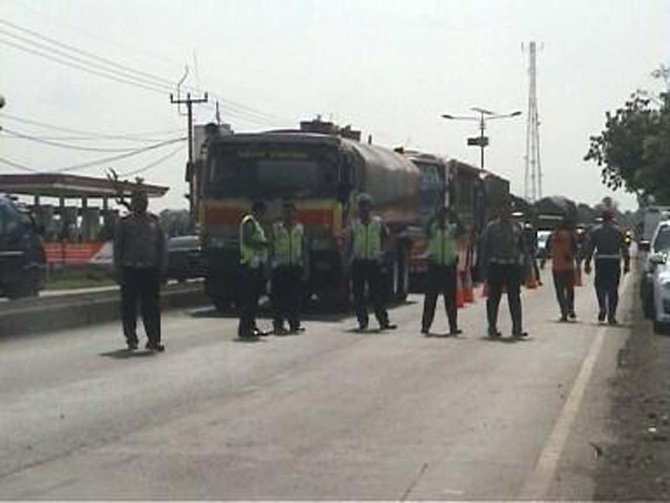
(636, 465)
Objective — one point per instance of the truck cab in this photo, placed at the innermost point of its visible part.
(22, 255)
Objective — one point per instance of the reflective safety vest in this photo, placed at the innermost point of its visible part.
(442, 249)
(368, 239)
(252, 257)
(288, 244)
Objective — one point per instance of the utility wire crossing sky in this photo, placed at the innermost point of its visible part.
(83, 80)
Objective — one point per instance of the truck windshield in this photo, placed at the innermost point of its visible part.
(272, 170)
(431, 188)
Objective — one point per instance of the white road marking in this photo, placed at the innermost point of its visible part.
(537, 483)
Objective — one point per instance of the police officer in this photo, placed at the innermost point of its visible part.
(504, 258)
(253, 258)
(443, 234)
(608, 244)
(368, 238)
(288, 270)
(139, 264)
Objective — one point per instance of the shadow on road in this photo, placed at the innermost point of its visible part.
(507, 340)
(312, 312)
(123, 354)
(442, 335)
(250, 340)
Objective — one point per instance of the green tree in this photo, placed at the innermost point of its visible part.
(633, 151)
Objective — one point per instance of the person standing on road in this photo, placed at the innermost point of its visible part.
(288, 270)
(504, 258)
(139, 265)
(607, 243)
(367, 240)
(443, 232)
(253, 259)
(562, 247)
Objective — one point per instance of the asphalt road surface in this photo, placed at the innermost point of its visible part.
(327, 414)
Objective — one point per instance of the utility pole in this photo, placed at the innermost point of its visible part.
(189, 107)
(533, 173)
(189, 167)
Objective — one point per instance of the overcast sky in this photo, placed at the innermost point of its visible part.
(389, 68)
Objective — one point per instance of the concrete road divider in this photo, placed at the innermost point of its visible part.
(56, 312)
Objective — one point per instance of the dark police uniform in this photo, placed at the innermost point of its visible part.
(139, 262)
(607, 243)
(504, 255)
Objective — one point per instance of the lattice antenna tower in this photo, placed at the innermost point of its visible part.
(533, 173)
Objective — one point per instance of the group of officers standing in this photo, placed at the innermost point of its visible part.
(505, 258)
(285, 248)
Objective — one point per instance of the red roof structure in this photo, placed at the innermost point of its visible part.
(72, 186)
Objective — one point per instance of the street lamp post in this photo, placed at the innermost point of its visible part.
(484, 115)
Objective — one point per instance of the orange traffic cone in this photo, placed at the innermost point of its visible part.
(531, 281)
(460, 299)
(468, 292)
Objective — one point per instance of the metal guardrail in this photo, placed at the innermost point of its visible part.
(71, 309)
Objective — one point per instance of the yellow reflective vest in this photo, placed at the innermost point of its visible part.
(288, 244)
(368, 239)
(442, 244)
(252, 256)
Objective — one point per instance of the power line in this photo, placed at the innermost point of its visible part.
(84, 29)
(105, 67)
(90, 55)
(111, 136)
(141, 78)
(154, 163)
(89, 164)
(64, 145)
(17, 165)
(249, 110)
(80, 67)
(103, 161)
(254, 117)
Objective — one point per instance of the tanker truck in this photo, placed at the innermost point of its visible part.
(322, 173)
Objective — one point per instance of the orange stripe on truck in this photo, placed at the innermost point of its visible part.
(321, 213)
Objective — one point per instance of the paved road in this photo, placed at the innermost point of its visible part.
(329, 414)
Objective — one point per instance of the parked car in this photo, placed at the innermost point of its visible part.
(22, 255)
(184, 258)
(655, 284)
